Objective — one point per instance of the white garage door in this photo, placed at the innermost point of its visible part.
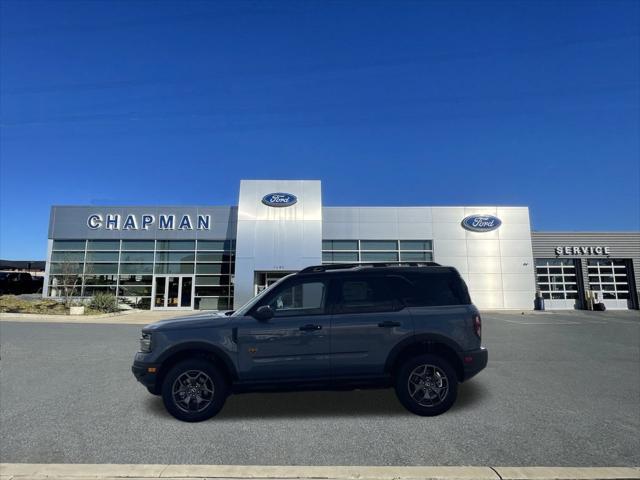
(609, 279)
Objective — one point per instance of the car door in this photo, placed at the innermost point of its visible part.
(367, 322)
(293, 344)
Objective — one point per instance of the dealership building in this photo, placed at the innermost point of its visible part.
(218, 257)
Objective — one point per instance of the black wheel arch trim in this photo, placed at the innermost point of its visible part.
(420, 339)
(203, 347)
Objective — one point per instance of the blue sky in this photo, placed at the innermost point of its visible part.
(388, 103)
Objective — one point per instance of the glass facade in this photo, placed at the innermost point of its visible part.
(359, 251)
(127, 268)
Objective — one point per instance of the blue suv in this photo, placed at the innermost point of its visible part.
(411, 327)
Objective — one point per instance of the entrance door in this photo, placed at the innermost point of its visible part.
(266, 279)
(173, 292)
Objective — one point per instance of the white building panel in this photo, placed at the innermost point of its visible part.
(484, 264)
(483, 248)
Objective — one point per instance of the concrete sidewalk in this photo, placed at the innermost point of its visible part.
(126, 317)
(22, 471)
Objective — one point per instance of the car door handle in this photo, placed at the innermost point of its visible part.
(389, 323)
(310, 327)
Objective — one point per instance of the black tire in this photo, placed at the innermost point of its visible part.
(431, 398)
(194, 391)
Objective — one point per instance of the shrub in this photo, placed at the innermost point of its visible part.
(104, 302)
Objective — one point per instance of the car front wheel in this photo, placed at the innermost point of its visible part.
(194, 390)
(426, 385)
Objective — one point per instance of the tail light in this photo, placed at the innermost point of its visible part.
(477, 325)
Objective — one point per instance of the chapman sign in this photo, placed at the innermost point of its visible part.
(588, 250)
(144, 222)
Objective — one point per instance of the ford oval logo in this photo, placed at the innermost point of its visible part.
(279, 199)
(481, 223)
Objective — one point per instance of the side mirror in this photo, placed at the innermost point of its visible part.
(263, 313)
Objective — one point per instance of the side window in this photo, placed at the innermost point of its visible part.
(364, 295)
(435, 289)
(300, 298)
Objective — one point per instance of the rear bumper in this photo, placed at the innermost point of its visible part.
(144, 376)
(474, 362)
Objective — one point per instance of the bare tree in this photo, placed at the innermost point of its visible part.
(69, 273)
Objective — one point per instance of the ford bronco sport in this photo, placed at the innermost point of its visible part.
(326, 327)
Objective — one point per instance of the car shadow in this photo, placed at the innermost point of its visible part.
(322, 404)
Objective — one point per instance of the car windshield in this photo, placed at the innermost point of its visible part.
(247, 306)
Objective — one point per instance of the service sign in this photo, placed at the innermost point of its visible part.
(279, 199)
(481, 223)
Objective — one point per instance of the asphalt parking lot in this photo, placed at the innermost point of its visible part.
(560, 389)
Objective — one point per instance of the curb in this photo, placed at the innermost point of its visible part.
(25, 471)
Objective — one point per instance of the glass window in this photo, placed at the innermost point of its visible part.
(340, 257)
(134, 291)
(416, 256)
(136, 268)
(222, 303)
(215, 244)
(136, 279)
(102, 256)
(212, 280)
(68, 244)
(176, 245)
(432, 289)
(103, 245)
(213, 257)
(67, 256)
(299, 298)
(378, 245)
(174, 267)
(416, 245)
(101, 268)
(66, 268)
(345, 245)
(214, 268)
(140, 257)
(212, 291)
(360, 295)
(90, 291)
(379, 257)
(65, 280)
(100, 279)
(138, 244)
(175, 256)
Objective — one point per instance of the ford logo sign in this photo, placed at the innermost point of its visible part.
(481, 223)
(279, 199)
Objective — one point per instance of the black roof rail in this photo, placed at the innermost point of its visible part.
(344, 266)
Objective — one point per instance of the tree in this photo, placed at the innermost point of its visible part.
(68, 273)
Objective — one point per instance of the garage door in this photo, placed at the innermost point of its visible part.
(610, 280)
(557, 281)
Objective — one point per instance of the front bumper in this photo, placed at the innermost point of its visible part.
(144, 376)
(474, 362)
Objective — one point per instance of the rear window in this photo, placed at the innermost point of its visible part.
(432, 289)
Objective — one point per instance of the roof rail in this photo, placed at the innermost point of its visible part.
(344, 266)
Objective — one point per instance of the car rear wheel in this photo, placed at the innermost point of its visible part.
(426, 385)
(194, 390)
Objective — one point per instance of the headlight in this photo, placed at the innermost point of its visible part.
(145, 343)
